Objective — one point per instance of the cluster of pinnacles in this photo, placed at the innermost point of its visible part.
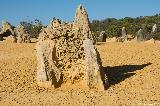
(18, 34)
(140, 36)
(66, 54)
(143, 37)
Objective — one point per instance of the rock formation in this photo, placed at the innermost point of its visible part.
(124, 34)
(66, 54)
(22, 35)
(140, 36)
(7, 30)
(102, 37)
(150, 36)
(154, 28)
(1, 37)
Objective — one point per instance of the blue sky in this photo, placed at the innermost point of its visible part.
(15, 11)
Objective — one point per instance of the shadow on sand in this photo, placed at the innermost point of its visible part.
(118, 74)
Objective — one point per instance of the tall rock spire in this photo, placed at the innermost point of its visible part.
(81, 16)
(66, 54)
(82, 23)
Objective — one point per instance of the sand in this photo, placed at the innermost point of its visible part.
(133, 70)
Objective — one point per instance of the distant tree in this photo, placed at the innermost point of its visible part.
(33, 27)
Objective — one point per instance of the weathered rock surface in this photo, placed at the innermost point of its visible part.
(154, 28)
(11, 34)
(66, 54)
(7, 30)
(140, 36)
(1, 37)
(22, 35)
(102, 36)
(124, 34)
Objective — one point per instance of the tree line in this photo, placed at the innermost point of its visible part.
(113, 26)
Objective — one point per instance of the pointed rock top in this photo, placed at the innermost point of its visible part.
(80, 7)
(81, 15)
(20, 27)
(139, 30)
(54, 23)
(5, 23)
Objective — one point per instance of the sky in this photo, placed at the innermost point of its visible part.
(15, 11)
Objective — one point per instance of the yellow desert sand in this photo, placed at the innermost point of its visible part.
(133, 70)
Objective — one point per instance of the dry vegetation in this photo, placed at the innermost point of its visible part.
(133, 70)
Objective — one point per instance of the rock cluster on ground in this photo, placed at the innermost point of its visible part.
(7, 30)
(22, 35)
(140, 36)
(125, 37)
(11, 34)
(66, 54)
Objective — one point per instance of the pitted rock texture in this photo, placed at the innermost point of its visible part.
(7, 30)
(22, 35)
(66, 54)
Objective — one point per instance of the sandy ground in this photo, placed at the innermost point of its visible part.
(133, 70)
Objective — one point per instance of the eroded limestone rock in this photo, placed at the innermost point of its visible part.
(154, 28)
(124, 34)
(7, 30)
(22, 35)
(102, 36)
(66, 54)
(1, 37)
(140, 36)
